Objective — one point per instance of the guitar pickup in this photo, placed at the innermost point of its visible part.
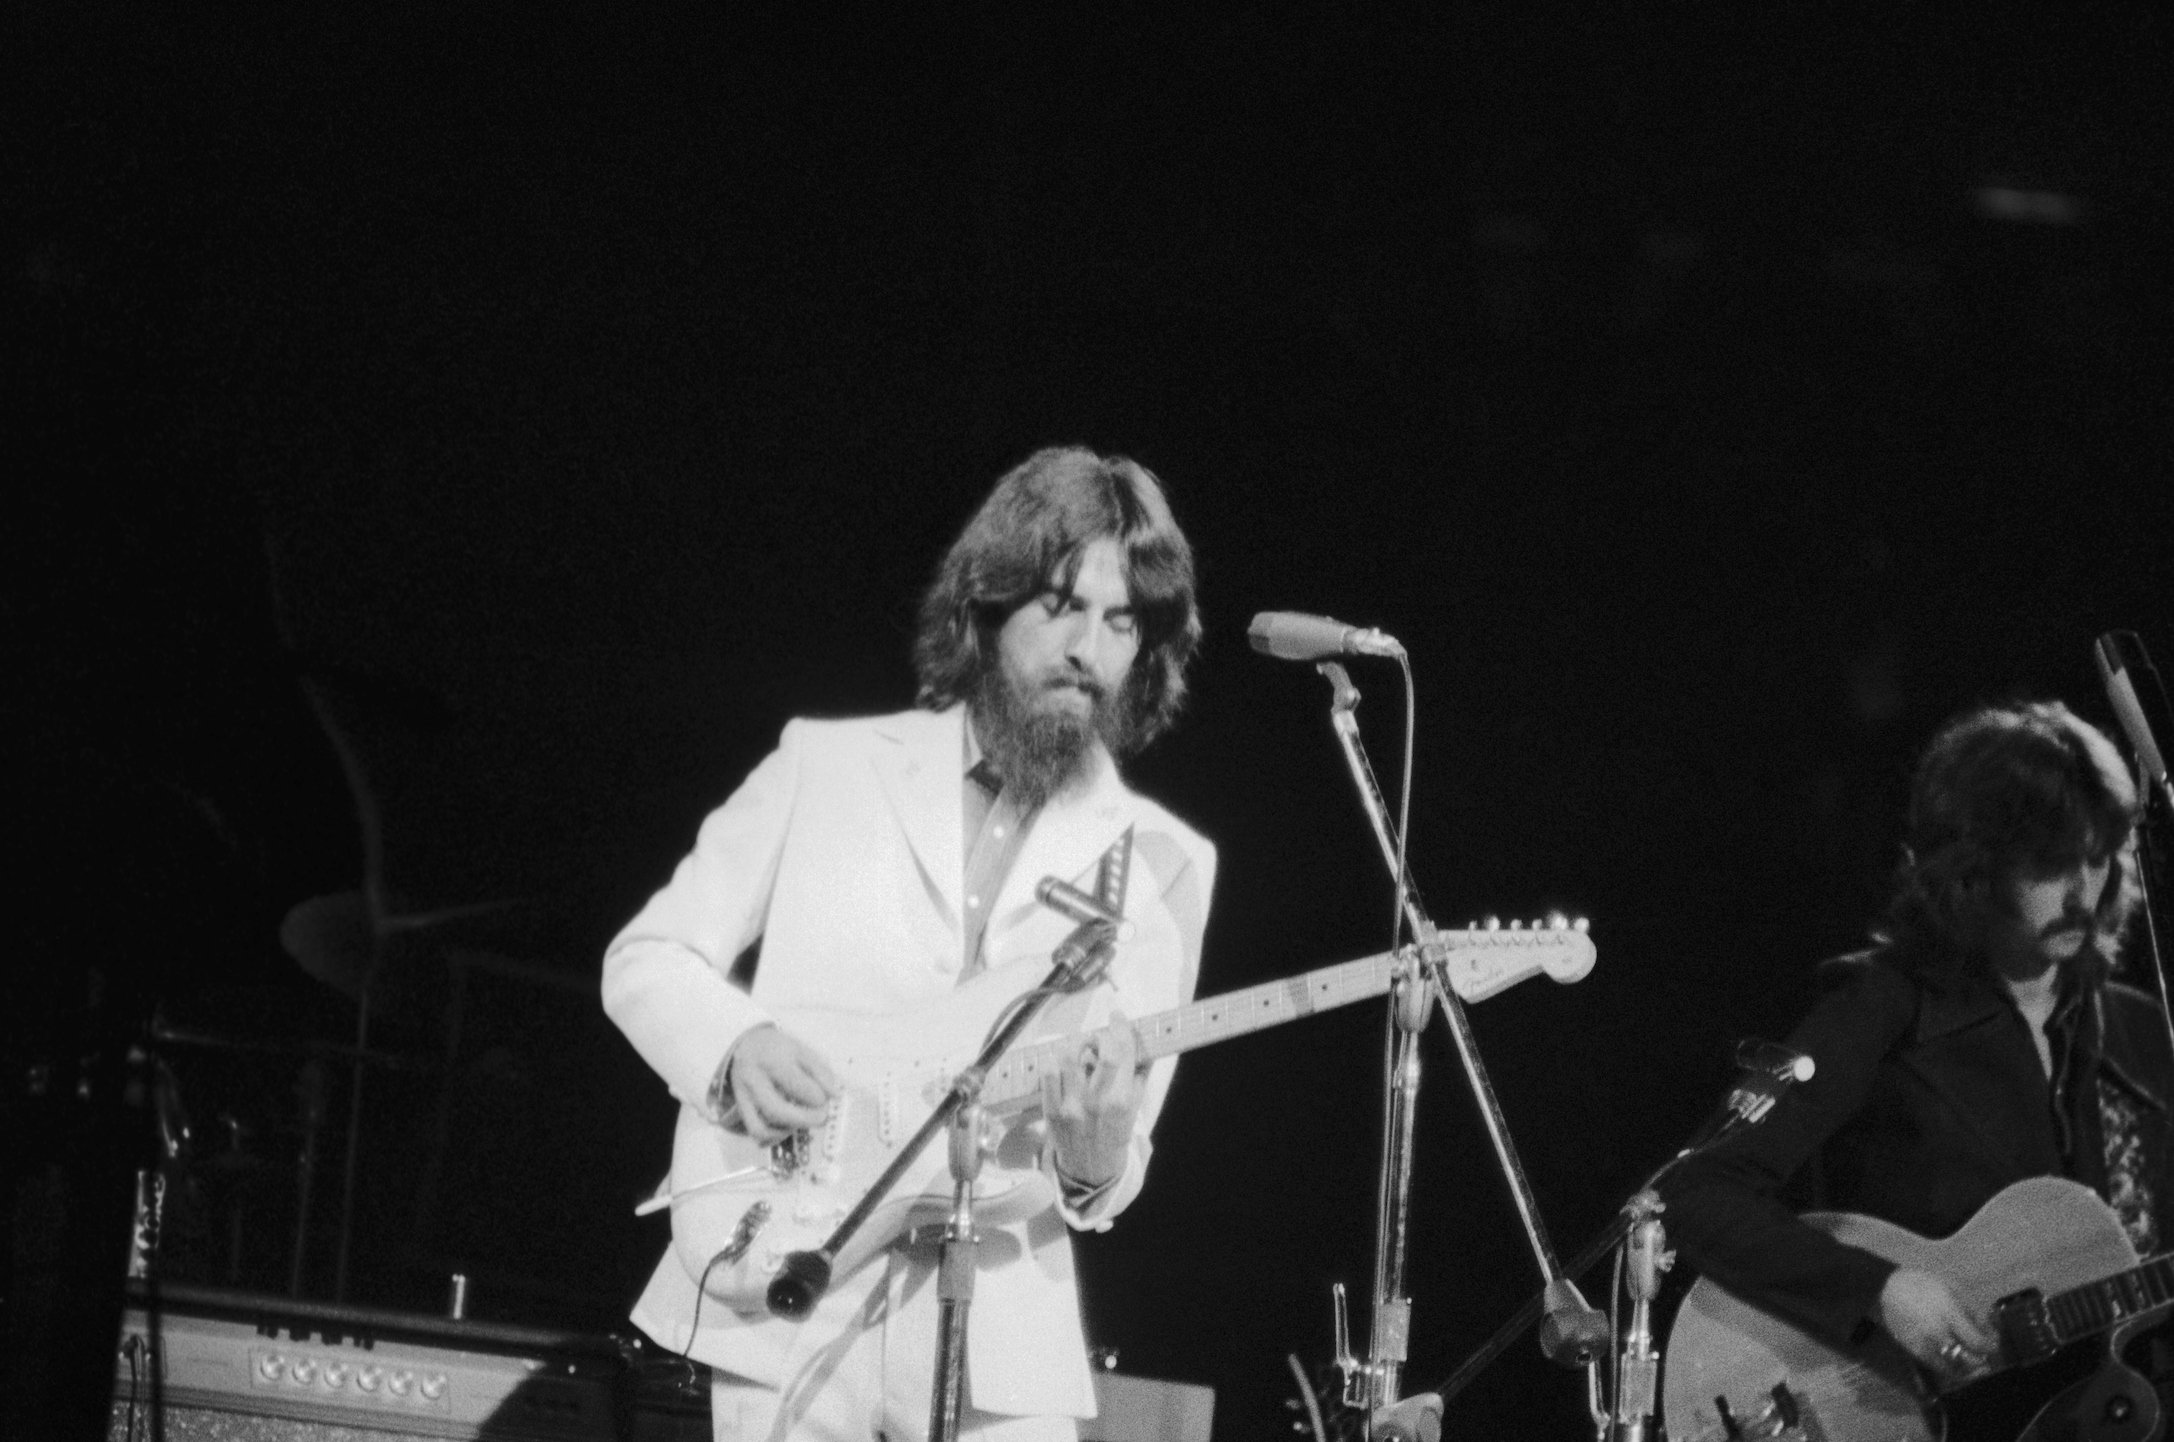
(2026, 1332)
(1785, 1406)
(1782, 1419)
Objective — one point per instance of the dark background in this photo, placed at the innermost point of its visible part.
(1713, 400)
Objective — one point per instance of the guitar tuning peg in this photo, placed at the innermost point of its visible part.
(1492, 923)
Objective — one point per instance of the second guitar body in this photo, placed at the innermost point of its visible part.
(2045, 1259)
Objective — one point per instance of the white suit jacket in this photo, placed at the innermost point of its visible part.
(843, 852)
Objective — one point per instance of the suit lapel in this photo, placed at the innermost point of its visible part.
(919, 771)
(1066, 841)
(1951, 1013)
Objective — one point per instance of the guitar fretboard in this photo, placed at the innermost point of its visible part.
(2092, 1308)
(1200, 1023)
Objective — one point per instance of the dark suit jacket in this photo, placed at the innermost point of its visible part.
(1927, 1101)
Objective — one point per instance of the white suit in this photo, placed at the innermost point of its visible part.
(844, 853)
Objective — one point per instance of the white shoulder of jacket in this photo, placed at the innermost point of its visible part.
(834, 740)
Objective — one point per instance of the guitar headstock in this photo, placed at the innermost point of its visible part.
(1490, 957)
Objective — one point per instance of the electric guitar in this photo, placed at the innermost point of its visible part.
(2045, 1259)
(740, 1206)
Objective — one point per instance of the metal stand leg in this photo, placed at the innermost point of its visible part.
(955, 1278)
(1637, 1377)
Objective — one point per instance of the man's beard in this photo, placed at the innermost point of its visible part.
(1043, 752)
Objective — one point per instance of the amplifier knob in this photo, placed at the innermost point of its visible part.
(432, 1386)
(336, 1374)
(368, 1378)
(304, 1372)
(270, 1365)
(400, 1383)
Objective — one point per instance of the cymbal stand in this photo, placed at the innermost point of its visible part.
(1573, 1334)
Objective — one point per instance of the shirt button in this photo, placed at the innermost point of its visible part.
(1000, 833)
(973, 901)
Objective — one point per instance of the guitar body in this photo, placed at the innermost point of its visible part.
(893, 1071)
(2044, 1234)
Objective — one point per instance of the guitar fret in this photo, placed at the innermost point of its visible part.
(2155, 1278)
(2095, 1306)
(1239, 1012)
(2083, 1311)
(1212, 1019)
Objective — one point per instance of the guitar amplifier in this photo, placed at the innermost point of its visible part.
(239, 1367)
(1144, 1409)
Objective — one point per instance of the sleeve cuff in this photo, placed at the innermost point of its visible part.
(723, 1107)
(1084, 1207)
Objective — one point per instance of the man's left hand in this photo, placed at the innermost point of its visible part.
(1091, 1102)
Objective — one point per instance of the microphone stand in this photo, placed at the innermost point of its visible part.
(2116, 654)
(955, 1277)
(1575, 1334)
(1638, 1221)
(803, 1277)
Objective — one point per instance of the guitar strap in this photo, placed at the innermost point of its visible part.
(1113, 872)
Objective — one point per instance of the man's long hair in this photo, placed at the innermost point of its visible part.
(2027, 789)
(1028, 537)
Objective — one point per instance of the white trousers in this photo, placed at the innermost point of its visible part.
(872, 1382)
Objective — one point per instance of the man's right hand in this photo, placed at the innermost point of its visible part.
(780, 1084)
(1919, 1311)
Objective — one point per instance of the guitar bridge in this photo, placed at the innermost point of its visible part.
(791, 1155)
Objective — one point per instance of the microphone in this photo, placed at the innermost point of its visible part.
(1772, 1060)
(1086, 911)
(1773, 1069)
(1074, 904)
(1296, 636)
(800, 1282)
(1769, 1070)
(2128, 710)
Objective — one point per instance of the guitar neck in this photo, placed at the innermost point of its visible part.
(2093, 1307)
(1201, 1023)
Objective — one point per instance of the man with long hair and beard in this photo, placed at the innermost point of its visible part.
(886, 867)
(1982, 1040)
